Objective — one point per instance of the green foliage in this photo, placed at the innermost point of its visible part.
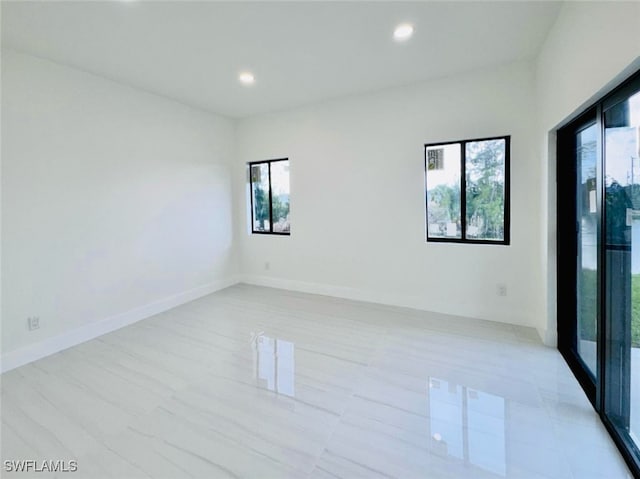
(635, 311)
(280, 209)
(485, 188)
(445, 204)
(588, 292)
(260, 205)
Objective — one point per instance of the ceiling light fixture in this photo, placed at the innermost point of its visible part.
(246, 78)
(403, 32)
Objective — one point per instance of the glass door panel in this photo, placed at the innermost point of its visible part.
(598, 254)
(622, 275)
(587, 257)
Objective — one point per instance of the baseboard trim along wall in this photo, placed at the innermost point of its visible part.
(87, 332)
(389, 299)
(549, 337)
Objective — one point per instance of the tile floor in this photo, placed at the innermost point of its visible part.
(263, 383)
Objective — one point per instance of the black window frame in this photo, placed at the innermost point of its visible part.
(506, 241)
(250, 165)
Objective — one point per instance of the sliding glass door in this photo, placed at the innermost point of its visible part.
(621, 117)
(599, 259)
(579, 247)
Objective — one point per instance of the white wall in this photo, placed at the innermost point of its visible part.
(357, 197)
(591, 48)
(116, 203)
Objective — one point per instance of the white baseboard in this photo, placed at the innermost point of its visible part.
(389, 299)
(548, 337)
(46, 347)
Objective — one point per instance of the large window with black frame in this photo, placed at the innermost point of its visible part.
(269, 188)
(467, 191)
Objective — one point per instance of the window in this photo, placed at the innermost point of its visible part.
(269, 182)
(467, 185)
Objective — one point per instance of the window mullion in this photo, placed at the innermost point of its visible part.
(270, 201)
(253, 221)
(463, 191)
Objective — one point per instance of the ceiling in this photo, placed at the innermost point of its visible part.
(300, 52)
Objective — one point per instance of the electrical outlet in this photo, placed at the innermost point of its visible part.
(501, 289)
(33, 323)
(267, 265)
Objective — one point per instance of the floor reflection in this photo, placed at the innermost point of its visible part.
(467, 424)
(274, 364)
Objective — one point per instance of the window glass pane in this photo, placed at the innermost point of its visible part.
(280, 196)
(443, 191)
(587, 278)
(622, 275)
(260, 196)
(485, 170)
(634, 147)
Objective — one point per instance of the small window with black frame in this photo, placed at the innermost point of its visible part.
(467, 191)
(269, 189)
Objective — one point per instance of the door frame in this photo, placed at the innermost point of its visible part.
(567, 253)
(567, 250)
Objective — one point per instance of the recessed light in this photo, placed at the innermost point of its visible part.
(403, 32)
(246, 78)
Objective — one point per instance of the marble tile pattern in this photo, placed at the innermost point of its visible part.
(254, 382)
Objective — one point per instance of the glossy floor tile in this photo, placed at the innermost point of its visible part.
(263, 383)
